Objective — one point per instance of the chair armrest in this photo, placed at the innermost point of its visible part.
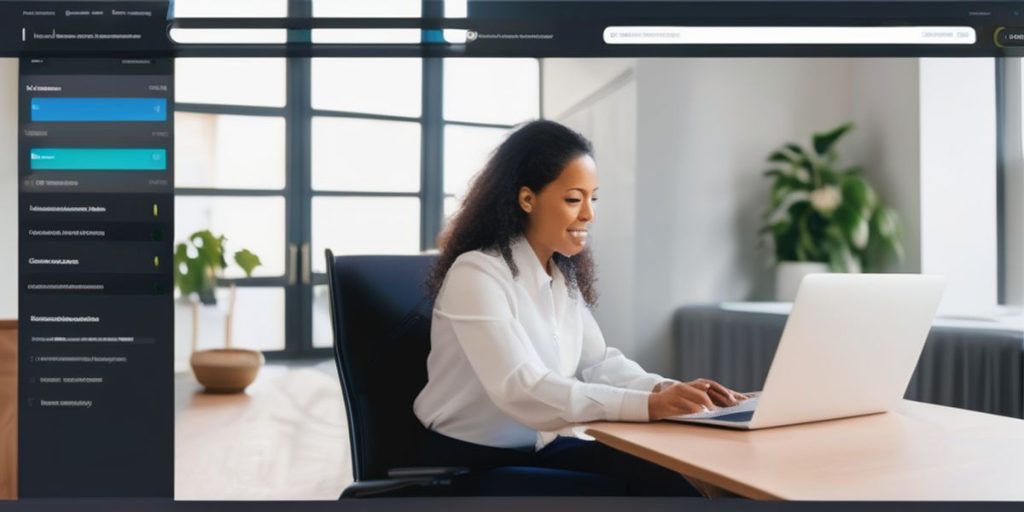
(370, 488)
(427, 471)
(402, 478)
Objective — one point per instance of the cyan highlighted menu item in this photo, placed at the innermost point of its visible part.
(83, 159)
(99, 109)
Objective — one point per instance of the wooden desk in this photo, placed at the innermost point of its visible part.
(918, 452)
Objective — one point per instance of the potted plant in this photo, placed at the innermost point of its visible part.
(825, 218)
(198, 262)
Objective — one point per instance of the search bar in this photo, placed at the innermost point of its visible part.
(790, 35)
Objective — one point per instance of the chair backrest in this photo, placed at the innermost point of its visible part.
(381, 313)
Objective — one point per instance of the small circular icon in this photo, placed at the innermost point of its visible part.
(1009, 36)
(470, 35)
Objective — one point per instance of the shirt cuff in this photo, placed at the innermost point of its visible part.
(647, 382)
(634, 405)
(664, 383)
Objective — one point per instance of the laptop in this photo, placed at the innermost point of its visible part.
(849, 348)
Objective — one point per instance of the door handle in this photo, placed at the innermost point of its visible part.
(307, 270)
(293, 264)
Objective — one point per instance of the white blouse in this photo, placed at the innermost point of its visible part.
(513, 360)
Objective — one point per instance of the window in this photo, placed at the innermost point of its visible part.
(371, 153)
(231, 120)
(359, 155)
(230, 8)
(483, 100)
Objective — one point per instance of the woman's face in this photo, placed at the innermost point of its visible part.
(562, 211)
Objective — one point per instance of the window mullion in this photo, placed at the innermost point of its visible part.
(303, 197)
(432, 166)
(298, 296)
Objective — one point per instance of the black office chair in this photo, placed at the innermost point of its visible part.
(381, 315)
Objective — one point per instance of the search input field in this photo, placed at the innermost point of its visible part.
(619, 35)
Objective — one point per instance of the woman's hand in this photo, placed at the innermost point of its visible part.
(719, 394)
(689, 397)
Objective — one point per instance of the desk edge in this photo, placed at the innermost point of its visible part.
(683, 467)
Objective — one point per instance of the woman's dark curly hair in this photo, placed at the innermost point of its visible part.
(490, 218)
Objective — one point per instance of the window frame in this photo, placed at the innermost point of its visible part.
(300, 281)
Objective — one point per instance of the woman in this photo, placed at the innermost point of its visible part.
(516, 357)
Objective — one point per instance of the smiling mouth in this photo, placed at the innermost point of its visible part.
(580, 234)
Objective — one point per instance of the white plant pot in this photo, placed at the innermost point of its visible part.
(789, 274)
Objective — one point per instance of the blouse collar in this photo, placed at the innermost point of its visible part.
(530, 268)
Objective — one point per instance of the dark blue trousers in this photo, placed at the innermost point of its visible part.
(635, 476)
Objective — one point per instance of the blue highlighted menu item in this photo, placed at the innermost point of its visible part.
(98, 109)
(81, 159)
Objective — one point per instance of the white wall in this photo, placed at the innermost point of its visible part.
(705, 128)
(944, 184)
(575, 84)
(958, 181)
(681, 144)
(8, 188)
(691, 170)
(884, 105)
(1013, 190)
(603, 108)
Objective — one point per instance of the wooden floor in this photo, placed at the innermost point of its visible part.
(284, 439)
(8, 409)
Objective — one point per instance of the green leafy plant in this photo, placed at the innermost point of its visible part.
(822, 213)
(198, 263)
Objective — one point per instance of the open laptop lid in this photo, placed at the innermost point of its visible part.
(849, 347)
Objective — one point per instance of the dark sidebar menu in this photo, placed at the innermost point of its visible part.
(96, 413)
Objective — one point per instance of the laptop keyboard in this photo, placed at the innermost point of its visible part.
(736, 416)
(743, 411)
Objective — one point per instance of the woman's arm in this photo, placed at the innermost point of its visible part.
(477, 301)
(602, 364)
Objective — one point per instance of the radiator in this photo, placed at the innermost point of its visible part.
(977, 369)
